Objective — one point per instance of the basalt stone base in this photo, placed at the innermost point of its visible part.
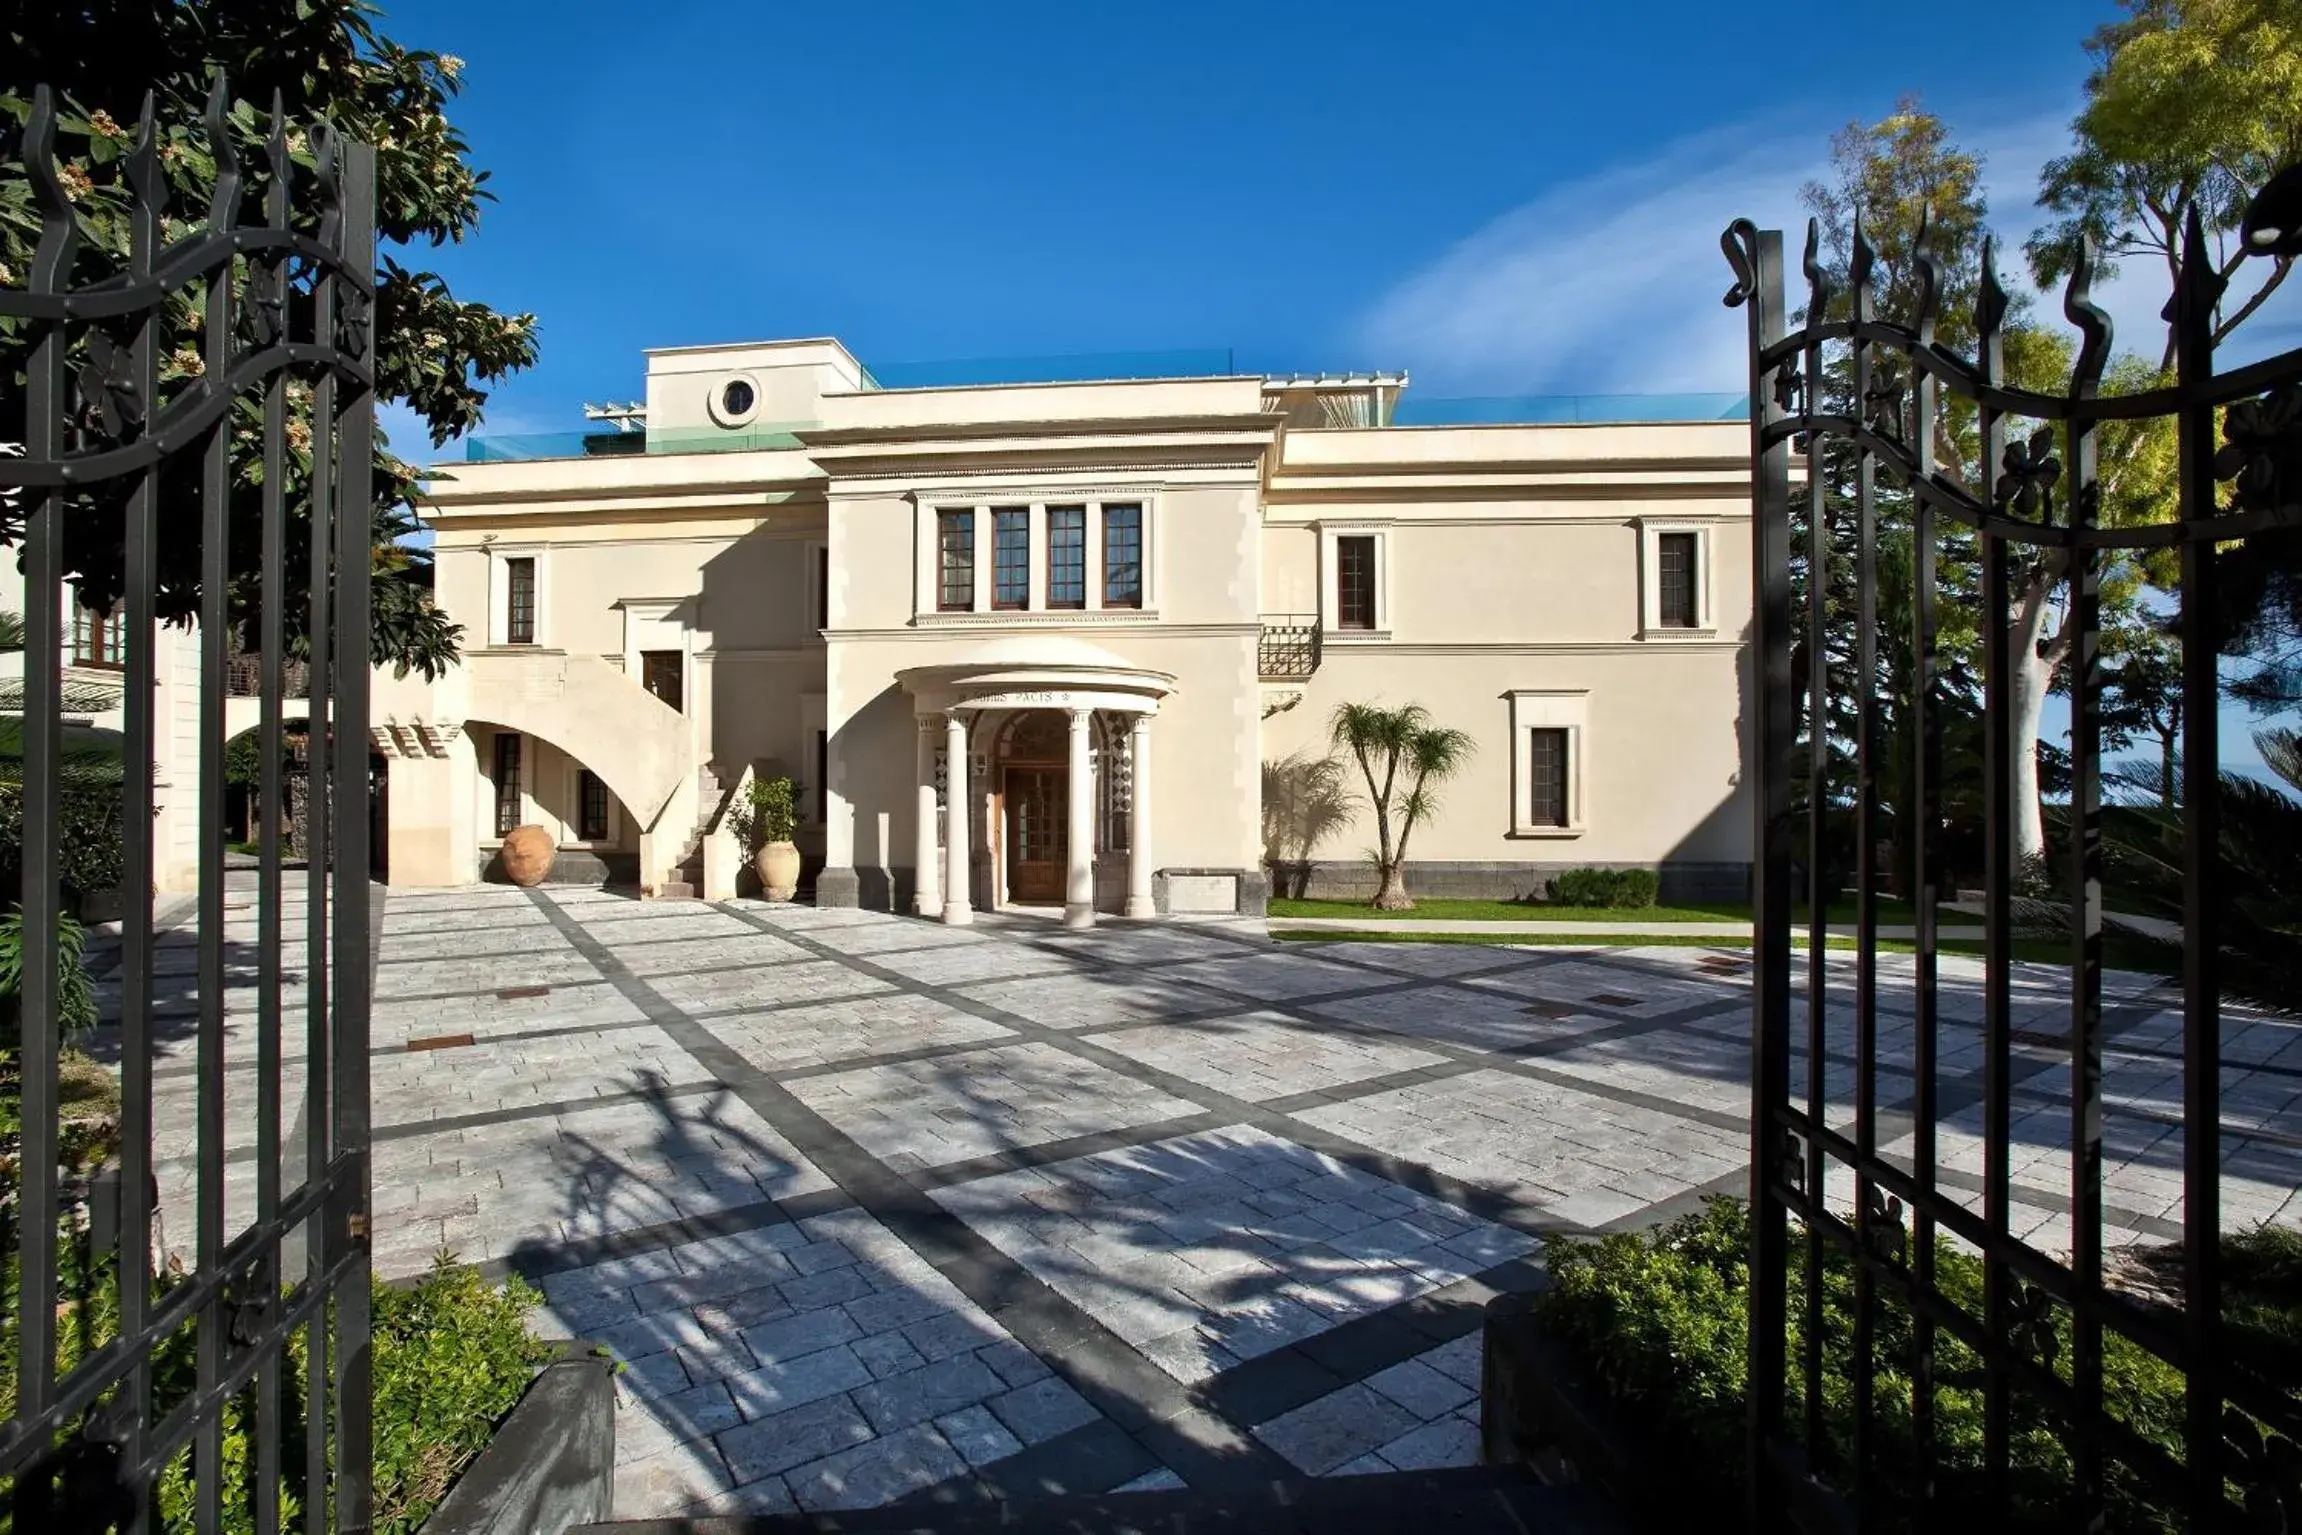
(838, 887)
(572, 867)
(550, 1466)
(1323, 880)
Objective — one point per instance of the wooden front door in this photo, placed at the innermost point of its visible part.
(1037, 833)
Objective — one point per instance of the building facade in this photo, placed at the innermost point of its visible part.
(1066, 643)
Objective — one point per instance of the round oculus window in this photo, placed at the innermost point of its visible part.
(736, 398)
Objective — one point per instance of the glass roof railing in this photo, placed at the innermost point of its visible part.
(1569, 409)
(1483, 410)
(1069, 368)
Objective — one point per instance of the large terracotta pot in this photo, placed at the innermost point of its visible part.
(777, 864)
(528, 854)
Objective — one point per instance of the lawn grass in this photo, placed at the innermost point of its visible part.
(1443, 909)
(2045, 951)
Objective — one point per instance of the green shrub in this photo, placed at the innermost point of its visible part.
(90, 855)
(1660, 1319)
(75, 993)
(1613, 888)
(451, 1356)
(768, 813)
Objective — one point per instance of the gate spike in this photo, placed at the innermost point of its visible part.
(1928, 263)
(2093, 322)
(224, 202)
(1818, 285)
(283, 166)
(59, 226)
(1858, 270)
(143, 170)
(1990, 299)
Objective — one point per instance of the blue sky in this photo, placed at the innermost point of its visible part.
(1500, 198)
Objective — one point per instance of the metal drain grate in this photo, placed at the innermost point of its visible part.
(516, 993)
(441, 1042)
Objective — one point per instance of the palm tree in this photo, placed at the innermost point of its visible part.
(1304, 801)
(1391, 745)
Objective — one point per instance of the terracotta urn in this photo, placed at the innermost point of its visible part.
(777, 864)
(527, 854)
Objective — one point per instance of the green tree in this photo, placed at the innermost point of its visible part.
(2191, 105)
(2142, 697)
(1897, 176)
(321, 59)
(1404, 758)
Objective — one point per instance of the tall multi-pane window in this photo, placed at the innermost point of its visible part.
(520, 601)
(664, 673)
(1123, 556)
(1011, 556)
(955, 550)
(96, 638)
(823, 587)
(507, 782)
(1355, 582)
(1675, 580)
(1547, 777)
(1067, 556)
(591, 811)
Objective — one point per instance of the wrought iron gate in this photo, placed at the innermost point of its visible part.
(226, 1388)
(2032, 1343)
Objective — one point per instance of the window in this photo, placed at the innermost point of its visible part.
(96, 638)
(737, 398)
(520, 601)
(822, 777)
(1355, 582)
(1675, 581)
(1123, 556)
(1547, 802)
(507, 783)
(1067, 556)
(591, 808)
(662, 672)
(1011, 556)
(823, 587)
(955, 548)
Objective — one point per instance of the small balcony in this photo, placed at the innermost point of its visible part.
(244, 676)
(1290, 645)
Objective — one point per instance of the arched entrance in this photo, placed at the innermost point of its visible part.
(1034, 757)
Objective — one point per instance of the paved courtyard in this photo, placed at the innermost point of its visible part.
(870, 1205)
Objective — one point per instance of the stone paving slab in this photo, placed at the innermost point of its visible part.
(870, 1205)
(920, 1114)
(1259, 1056)
(1209, 1249)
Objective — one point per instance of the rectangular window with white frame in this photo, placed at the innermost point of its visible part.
(1674, 580)
(520, 600)
(1550, 740)
(1355, 580)
(591, 806)
(1082, 554)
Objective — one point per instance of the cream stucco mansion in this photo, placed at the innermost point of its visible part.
(1034, 643)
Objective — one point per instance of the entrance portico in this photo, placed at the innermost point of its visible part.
(1012, 693)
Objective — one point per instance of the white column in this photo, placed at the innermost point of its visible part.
(956, 910)
(1079, 884)
(924, 884)
(1139, 864)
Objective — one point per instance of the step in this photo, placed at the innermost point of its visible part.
(678, 890)
(1471, 1500)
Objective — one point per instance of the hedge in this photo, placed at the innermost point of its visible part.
(90, 854)
(451, 1358)
(1614, 888)
(1660, 1318)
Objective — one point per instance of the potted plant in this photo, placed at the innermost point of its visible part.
(764, 821)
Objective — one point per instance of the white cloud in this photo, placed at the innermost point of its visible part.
(1603, 285)
(1611, 283)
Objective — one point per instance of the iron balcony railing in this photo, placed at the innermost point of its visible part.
(1290, 644)
(244, 676)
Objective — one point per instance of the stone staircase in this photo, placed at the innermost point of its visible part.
(686, 882)
(1472, 1500)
